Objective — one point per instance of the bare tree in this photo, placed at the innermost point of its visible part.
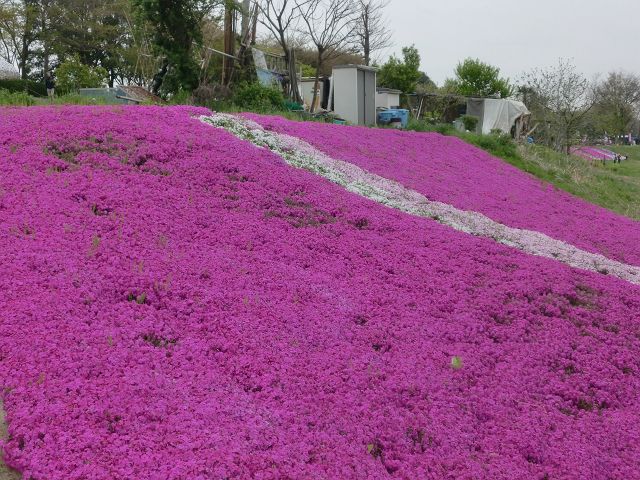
(618, 105)
(371, 32)
(561, 97)
(329, 26)
(280, 17)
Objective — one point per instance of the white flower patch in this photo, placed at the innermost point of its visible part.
(300, 154)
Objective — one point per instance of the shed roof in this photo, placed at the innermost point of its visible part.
(388, 90)
(359, 67)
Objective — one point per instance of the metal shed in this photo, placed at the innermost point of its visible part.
(354, 93)
(307, 85)
(387, 98)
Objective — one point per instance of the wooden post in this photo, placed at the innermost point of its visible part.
(229, 44)
(254, 25)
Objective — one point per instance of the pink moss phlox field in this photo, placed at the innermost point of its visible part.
(300, 154)
(446, 169)
(176, 303)
(593, 153)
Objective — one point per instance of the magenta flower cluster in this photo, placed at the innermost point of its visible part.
(176, 303)
(448, 170)
(593, 153)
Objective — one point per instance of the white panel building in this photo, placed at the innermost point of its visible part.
(307, 85)
(387, 98)
(354, 93)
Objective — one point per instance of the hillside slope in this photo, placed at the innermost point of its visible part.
(446, 169)
(178, 303)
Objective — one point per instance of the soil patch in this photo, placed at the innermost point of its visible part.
(5, 472)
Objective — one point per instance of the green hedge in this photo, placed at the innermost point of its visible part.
(34, 88)
(255, 97)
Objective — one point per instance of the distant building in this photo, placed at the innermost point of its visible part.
(387, 98)
(307, 85)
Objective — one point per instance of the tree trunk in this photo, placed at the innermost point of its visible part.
(246, 14)
(287, 56)
(316, 84)
(45, 62)
(43, 30)
(158, 78)
(367, 50)
(293, 81)
(227, 63)
(24, 57)
(366, 47)
(292, 92)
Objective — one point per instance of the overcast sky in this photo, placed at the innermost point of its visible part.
(599, 35)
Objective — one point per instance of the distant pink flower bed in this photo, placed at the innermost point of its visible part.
(448, 170)
(593, 153)
(177, 303)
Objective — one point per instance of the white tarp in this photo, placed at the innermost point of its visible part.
(496, 113)
(501, 114)
(8, 71)
(259, 59)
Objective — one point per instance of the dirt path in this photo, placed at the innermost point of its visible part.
(5, 472)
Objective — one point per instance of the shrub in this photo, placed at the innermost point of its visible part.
(73, 75)
(308, 70)
(422, 126)
(257, 97)
(498, 144)
(15, 98)
(210, 95)
(470, 122)
(181, 97)
(29, 86)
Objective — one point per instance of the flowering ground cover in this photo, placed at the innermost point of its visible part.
(448, 170)
(178, 303)
(301, 154)
(593, 153)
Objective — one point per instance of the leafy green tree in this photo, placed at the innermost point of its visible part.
(402, 74)
(19, 32)
(177, 25)
(73, 74)
(94, 30)
(478, 79)
(425, 84)
(617, 103)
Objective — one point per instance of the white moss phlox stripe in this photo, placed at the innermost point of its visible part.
(392, 194)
